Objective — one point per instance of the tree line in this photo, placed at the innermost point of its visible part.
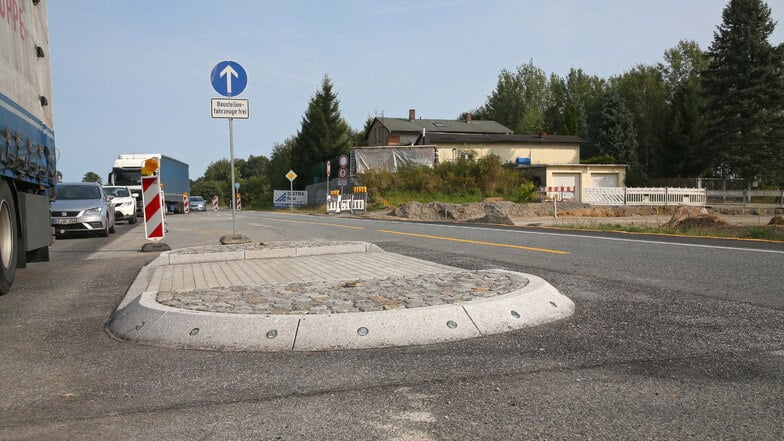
(697, 113)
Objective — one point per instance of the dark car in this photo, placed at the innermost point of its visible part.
(82, 207)
(197, 203)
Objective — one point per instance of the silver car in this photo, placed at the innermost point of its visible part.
(197, 203)
(81, 207)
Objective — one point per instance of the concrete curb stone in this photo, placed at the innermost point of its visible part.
(141, 319)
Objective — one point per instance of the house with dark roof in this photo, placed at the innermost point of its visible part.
(405, 131)
(552, 160)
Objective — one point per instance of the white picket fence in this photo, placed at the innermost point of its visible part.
(644, 196)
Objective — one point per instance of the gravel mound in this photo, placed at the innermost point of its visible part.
(502, 212)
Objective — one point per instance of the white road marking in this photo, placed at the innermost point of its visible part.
(581, 236)
(622, 239)
(260, 225)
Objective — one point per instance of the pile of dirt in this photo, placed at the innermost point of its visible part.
(626, 211)
(491, 212)
(741, 211)
(695, 217)
(777, 220)
(499, 211)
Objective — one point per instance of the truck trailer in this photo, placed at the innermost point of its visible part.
(127, 171)
(27, 151)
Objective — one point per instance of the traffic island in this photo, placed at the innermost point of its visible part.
(323, 296)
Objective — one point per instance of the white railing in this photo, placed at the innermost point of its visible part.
(604, 195)
(333, 204)
(348, 202)
(644, 196)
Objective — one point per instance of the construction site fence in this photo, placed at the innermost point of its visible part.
(644, 196)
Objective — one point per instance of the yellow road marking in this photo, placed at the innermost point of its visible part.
(648, 233)
(317, 223)
(476, 242)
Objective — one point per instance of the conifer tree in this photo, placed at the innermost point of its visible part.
(744, 92)
(324, 134)
(616, 135)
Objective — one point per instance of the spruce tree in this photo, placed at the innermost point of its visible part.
(744, 92)
(324, 134)
(616, 134)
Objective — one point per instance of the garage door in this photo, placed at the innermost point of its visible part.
(604, 180)
(571, 180)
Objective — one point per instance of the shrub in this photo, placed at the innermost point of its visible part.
(450, 181)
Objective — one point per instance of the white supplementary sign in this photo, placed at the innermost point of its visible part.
(286, 198)
(230, 108)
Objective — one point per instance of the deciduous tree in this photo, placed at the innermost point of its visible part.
(644, 95)
(92, 177)
(519, 100)
(682, 152)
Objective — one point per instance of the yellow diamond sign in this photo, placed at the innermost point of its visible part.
(291, 175)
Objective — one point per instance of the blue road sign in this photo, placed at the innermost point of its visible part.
(228, 78)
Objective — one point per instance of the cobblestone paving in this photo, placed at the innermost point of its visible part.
(348, 296)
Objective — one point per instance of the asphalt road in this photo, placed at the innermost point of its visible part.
(672, 339)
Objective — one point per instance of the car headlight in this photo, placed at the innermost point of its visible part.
(93, 211)
(127, 204)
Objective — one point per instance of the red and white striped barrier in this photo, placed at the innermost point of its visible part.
(186, 203)
(215, 203)
(153, 208)
(557, 189)
(239, 202)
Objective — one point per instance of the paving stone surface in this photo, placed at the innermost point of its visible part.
(319, 284)
(329, 297)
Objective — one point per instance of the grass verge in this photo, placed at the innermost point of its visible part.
(767, 232)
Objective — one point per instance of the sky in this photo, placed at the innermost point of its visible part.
(134, 76)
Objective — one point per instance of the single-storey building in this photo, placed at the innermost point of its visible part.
(553, 160)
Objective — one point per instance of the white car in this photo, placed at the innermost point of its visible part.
(123, 201)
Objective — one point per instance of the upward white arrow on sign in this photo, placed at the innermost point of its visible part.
(228, 72)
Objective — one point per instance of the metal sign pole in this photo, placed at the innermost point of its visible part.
(233, 196)
(328, 171)
(291, 195)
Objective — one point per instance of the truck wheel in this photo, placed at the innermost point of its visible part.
(8, 239)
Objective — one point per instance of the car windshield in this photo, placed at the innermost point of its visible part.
(196, 199)
(118, 192)
(77, 192)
